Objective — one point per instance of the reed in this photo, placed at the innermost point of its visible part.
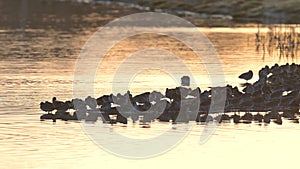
(280, 40)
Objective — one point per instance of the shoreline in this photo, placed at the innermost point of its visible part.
(228, 13)
(47, 14)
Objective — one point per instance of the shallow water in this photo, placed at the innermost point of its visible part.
(37, 64)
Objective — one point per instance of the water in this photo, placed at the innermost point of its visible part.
(37, 64)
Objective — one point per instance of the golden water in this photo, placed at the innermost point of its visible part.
(39, 64)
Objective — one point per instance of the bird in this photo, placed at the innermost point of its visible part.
(47, 106)
(246, 76)
(222, 118)
(104, 99)
(247, 118)
(278, 120)
(79, 105)
(236, 118)
(258, 117)
(56, 103)
(59, 105)
(121, 119)
(91, 102)
(267, 118)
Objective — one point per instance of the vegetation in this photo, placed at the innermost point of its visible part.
(266, 11)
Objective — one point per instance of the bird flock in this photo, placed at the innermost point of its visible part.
(275, 95)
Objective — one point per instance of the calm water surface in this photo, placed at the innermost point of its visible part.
(37, 64)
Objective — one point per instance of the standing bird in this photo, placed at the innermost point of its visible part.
(59, 105)
(236, 118)
(47, 106)
(91, 102)
(56, 103)
(246, 76)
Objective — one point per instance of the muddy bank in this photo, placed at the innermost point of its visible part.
(58, 15)
(77, 14)
(239, 11)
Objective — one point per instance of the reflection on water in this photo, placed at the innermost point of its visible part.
(38, 63)
(280, 40)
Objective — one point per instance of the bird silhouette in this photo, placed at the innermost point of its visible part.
(258, 117)
(246, 76)
(47, 106)
(60, 106)
(91, 102)
(236, 118)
